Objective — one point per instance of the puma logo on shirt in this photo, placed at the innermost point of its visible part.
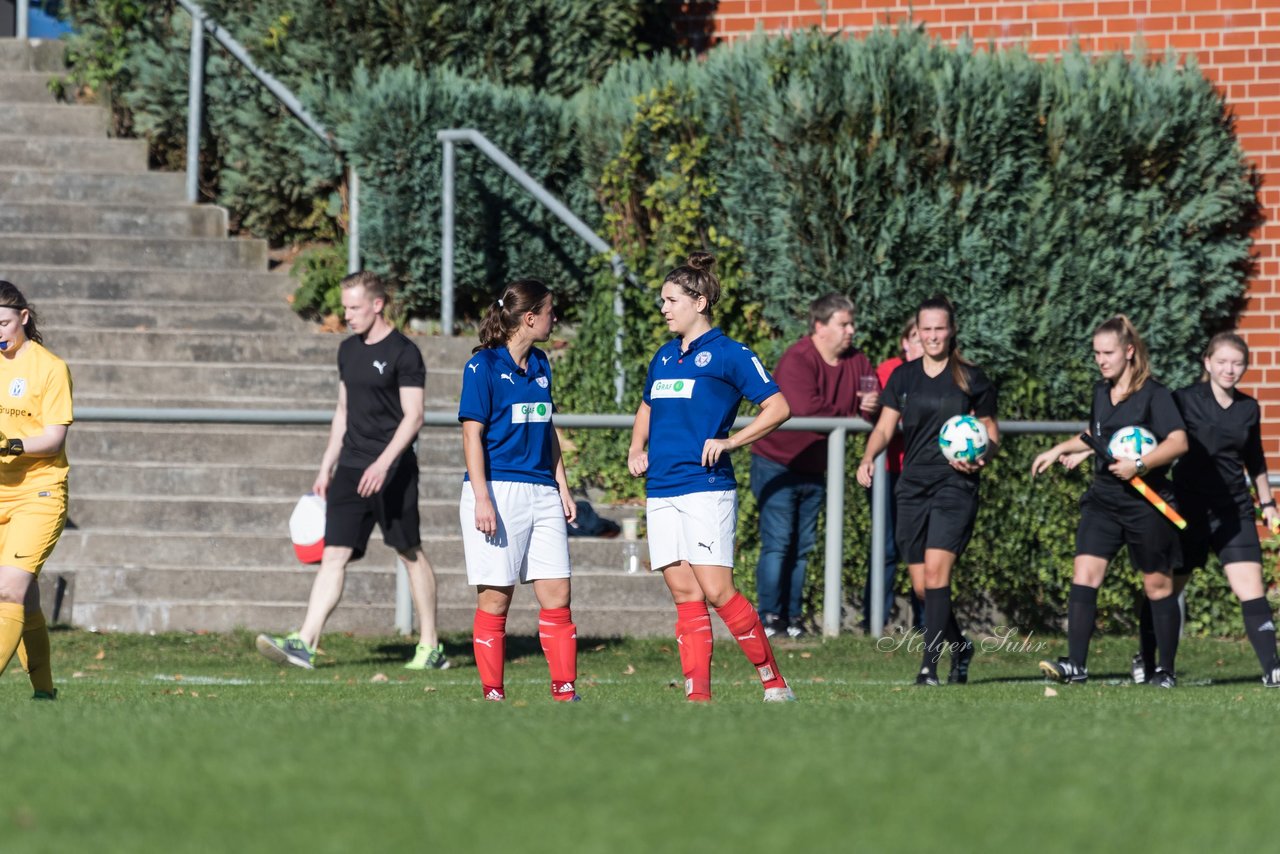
(381, 366)
(508, 378)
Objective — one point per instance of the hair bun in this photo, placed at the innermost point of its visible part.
(703, 262)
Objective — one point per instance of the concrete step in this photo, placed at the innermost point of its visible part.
(247, 445)
(263, 315)
(55, 185)
(112, 598)
(231, 480)
(169, 345)
(73, 153)
(35, 55)
(217, 514)
(50, 119)
(145, 546)
(111, 219)
(203, 287)
(228, 380)
(79, 250)
(30, 87)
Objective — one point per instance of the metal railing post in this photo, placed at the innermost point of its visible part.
(446, 240)
(833, 564)
(879, 514)
(404, 601)
(195, 104)
(24, 16)
(353, 220)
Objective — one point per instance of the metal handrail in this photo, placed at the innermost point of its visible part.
(24, 14)
(542, 195)
(200, 21)
(836, 428)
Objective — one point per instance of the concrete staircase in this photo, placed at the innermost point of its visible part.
(183, 526)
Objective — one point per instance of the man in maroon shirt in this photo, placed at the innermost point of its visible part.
(821, 376)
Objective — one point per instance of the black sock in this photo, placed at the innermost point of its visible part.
(1261, 630)
(1146, 634)
(1082, 612)
(1166, 620)
(955, 637)
(937, 612)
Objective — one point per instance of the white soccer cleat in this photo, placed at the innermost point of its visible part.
(780, 695)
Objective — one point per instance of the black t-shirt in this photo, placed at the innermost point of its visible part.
(1151, 407)
(1224, 443)
(925, 403)
(374, 375)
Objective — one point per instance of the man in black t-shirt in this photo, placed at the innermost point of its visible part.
(369, 473)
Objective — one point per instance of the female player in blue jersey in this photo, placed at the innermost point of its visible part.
(937, 500)
(515, 497)
(691, 395)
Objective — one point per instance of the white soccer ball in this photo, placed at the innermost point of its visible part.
(1129, 443)
(963, 438)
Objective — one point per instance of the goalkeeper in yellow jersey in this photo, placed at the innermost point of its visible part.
(35, 411)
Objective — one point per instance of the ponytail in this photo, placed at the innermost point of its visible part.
(503, 318)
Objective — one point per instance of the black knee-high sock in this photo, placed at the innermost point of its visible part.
(937, 612)
(1261, 630)
(1082, 612)
(1166, 620)
(955, 637)
(1146, 633)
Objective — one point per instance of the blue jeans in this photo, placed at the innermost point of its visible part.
(788, 504)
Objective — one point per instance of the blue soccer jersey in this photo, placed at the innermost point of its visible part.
(515, 408)
(692, 398)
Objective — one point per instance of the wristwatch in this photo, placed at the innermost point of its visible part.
(11, 447)
(1140, 465)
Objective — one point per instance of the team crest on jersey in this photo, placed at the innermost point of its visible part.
(702, 359)
(672, 388)
(542, 382)
(530, 413)
(18, 387)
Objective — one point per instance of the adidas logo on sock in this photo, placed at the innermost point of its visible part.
(495, 694)
(565, 688)
(1268, 626)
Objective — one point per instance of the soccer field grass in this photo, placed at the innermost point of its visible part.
(194, 743)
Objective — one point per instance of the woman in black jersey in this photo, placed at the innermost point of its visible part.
(1224, 431)
(937, 500)
(1112, 513)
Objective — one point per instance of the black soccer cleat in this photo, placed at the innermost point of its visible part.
(960, 659)
(1163, 679)
(1138, 669)
(1271, 678)
(1064, 670)
(927, 678)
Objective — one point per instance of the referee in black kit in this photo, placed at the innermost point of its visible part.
(369, 473)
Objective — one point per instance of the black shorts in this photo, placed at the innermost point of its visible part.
(1152, 539)
(349, 519)
(937, 513)
(1231, 534)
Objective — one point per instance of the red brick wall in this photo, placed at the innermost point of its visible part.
(1236, 42)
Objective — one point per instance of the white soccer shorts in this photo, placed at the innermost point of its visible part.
(698, 527)
(532, 541)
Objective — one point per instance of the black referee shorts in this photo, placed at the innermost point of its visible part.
(349, 518)
(934, 513)
(1152, 539)
(1230, 532)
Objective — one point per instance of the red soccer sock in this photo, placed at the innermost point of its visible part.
(559, 637)
(693, 636)
(489, 640)
(744, 622)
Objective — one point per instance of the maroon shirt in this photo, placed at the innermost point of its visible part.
(813, 389)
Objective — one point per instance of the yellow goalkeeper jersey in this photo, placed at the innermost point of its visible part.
(35, 391)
